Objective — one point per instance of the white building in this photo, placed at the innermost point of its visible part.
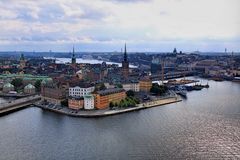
(131, 86)
(88, 102)
(80, 90)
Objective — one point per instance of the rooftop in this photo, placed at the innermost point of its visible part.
(110, 91)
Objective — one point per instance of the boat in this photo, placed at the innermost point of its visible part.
(181, 91)
(236, 79)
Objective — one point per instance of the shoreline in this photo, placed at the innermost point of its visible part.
(104, 113)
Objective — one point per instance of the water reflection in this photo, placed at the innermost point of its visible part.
(206, 125)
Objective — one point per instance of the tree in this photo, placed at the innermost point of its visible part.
(38, 85)
(119, 85)
(65, 103)
(115, 104)
(130, 93)
(99, 87)
(111, 105)
(157, 89)
(125, 103)
(17, 82)
(136, 100)
(102, 86)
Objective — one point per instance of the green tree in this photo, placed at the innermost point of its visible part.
(119, 85)
(18, 83)
(65, 103)
(125, 104)
(102, 86)
(115, 104)
(38, 85)
(136, 100)
(157, 89)
(130, 93)
(111, 105)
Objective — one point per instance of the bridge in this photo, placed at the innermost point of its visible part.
(171, 75)
(18, 104)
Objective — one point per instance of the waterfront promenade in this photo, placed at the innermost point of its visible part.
(107, 112)
(35, 101)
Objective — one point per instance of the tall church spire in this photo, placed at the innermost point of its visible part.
(125, 64)
(73, 56)
(125, 53)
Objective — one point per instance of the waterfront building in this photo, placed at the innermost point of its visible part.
(88, 102)
(29, 89)
(53, 92)
(104, 97)
(125, 64)
(8, 87)
(204, 65)
(22, 62)
(75, 102)
(134, 86)
(145, 84)
(80, 89)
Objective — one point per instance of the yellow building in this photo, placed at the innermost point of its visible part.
(145, 84)
(104, 97)
(75, 102)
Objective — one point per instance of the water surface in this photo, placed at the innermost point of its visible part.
(206, 125)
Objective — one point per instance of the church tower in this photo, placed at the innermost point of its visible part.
(125, 64)
(73, 57)
(22, 62)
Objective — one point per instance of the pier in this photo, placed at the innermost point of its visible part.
(18, 104)
(171, 75)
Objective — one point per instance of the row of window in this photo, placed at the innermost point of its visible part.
(72, 89)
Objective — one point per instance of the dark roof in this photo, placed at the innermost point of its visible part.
(81, 85)
(145, 78)
(110, 91)
(76, 98)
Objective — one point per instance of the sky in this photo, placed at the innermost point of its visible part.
(105, 25)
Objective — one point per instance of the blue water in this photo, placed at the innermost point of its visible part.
(206, 125)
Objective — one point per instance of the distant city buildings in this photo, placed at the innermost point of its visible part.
(95, 86)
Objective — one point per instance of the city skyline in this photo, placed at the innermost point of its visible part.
(104, 25)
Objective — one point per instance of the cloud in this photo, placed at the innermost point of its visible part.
(138, 22)
(129, 1)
